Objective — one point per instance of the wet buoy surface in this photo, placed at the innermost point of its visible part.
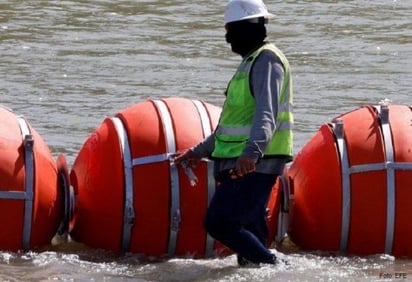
(351, 184)
(130, 196)
(30, 198)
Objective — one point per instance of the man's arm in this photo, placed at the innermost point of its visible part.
(205, 148)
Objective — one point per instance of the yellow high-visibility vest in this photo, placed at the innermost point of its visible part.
(238, 110)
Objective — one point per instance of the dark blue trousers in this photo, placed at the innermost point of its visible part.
(237, 215)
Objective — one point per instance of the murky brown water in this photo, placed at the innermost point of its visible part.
(65, 65)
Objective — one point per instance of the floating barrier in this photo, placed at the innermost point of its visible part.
(348, 190)
(351, 184)
(131, 197)
(32, 203)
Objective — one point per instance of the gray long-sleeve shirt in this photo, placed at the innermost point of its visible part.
(266, 80)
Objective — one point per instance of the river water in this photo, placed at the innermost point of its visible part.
(66, 65)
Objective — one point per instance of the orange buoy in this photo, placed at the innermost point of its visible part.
(351, 184)
(130, 195)
(31, 202)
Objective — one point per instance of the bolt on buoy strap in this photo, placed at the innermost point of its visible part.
(389, 165)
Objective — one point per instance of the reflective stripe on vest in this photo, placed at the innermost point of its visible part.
(237, 115)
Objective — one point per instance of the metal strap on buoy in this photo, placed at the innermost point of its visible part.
(129, 163)
(128, 212)
(390, 177)
(389, 165)
(211, 185)
(28, 143)
(346, 189)
(283, 216)
(28, 194)
(174, 176)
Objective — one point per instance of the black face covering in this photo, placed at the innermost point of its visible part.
(245, 36)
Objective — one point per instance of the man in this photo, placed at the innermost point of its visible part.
(253, 140)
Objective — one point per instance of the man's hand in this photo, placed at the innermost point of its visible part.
(185, 156)
(245, 165)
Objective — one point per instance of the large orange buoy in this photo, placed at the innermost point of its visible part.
(352, 184)
(130, 196)
(31, 201)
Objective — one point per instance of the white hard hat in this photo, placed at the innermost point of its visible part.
(238, 10)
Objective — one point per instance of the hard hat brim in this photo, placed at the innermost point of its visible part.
(265, 15)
